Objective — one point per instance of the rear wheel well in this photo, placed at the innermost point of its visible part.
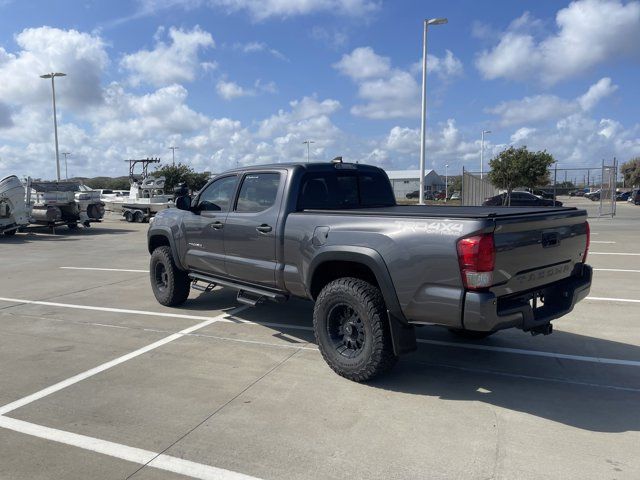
(333, 269)
(158, 241)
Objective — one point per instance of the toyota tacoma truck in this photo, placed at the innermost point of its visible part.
(333, 233)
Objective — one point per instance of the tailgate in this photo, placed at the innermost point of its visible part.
(536, 249)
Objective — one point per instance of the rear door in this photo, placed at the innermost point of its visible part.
(205, 226)
(251, 226)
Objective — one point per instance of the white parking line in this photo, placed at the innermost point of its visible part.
(601, 241)
(615, 270)
(117, 361)
(105, 309)
(105, 269)
(607, 299)
(535, 353)
(124, 452)
(615, 253)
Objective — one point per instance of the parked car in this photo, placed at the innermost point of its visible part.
(412, 195)
(521, 199)
(623, 196)
(333, 234)
(416, 194)
(634, 197)
(541, 193)
(577, 193)
(593, 196)
(455, 196)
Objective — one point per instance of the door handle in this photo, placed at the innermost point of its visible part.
(264, 228)
(216, 225)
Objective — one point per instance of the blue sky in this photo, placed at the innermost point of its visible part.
(233, 82)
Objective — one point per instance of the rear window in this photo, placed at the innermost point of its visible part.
(337, 190)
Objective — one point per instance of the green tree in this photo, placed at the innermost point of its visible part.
(180, 173)
(518, 167)
(631, 172)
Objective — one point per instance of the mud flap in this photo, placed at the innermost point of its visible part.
(403, 336)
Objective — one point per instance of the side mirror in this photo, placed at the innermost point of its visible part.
(183, 203)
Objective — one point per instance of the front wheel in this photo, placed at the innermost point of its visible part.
(352, 330)
(10, 233)
(170, 284)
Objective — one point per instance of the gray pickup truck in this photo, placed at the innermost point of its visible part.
(333, 233)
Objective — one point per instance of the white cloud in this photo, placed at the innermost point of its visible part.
(546, 107)
(390, 92)
(363, 63)
(334, 38)
(264, 9)
(522, 134)
(589, 33)
(168, 63)
(597, 92)
(231, 90)
(256, 47)
(445, 67)
(80, 55)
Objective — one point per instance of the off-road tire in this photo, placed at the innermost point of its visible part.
(376, 353)
(170, 285)
(470, 334)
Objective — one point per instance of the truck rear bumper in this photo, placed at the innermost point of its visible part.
(483, 311)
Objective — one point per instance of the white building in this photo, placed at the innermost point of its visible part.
(407, 181)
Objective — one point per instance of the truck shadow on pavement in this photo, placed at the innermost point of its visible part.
(43, 234)
(586, 395)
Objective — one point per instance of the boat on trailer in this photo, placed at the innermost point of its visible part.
(14, 207)
(146, 196)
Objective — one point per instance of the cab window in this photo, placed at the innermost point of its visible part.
(217, 196)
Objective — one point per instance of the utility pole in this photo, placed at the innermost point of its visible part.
(66, 172)
(52, 76)
(308, 143)
(423, 126)
(173, 154)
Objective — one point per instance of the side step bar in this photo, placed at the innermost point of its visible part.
(249, 295)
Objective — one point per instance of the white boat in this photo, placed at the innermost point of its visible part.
(146, 196)
(14, 209)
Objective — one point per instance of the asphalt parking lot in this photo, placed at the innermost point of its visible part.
(99, 381)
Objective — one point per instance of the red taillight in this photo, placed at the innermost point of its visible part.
(586, 248)
(477, 258)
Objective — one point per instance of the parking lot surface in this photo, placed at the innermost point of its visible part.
(100, 381)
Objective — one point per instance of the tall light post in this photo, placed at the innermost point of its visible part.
(482, 152)
(423, 133)
(308, 143)
(52, 76)
(446, 183)
(173, 154)
(66, 172)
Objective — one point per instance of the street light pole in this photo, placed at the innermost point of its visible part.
(446, 183)
(423, 127)
(52, 76)
(482, 153)
(66, 172)
(173, 154)
(308, 143)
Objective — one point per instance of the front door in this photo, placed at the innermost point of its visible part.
(251, 226)
(204, 228)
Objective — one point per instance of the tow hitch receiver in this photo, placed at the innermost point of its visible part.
(546, 329)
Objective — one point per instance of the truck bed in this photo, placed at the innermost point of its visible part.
(436, 211)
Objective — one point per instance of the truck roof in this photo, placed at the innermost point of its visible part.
(312, 167)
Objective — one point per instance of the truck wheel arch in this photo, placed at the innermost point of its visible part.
(359, 262)
(162, 236)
